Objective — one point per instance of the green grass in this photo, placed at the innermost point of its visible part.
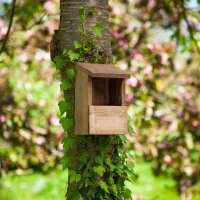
(52, 186)
(36, 186)
(149, 187)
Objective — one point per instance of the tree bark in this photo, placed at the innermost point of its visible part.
(62, 39)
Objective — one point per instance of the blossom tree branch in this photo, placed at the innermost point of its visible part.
(9, 26)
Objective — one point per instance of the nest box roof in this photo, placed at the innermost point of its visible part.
(102, 70)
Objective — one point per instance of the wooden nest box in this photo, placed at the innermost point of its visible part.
(100, 100)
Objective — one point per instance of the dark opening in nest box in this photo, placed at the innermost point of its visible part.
(100, 100)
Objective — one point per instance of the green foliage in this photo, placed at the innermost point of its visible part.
(29, 129)
(100, 170)
(73, 56)
(74, 177)
(60, 62)
(102, 177)
(163, 92)
(63, 106)
(97, 29)
(104, 186)
(66, 123)
(65, 161)
(67, 143)
(65, 85)
(71, 73)
(163, 97)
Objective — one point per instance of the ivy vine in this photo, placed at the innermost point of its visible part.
(108, 174)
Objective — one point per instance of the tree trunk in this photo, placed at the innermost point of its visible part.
(63, 38)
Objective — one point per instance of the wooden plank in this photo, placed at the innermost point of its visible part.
(102, 70)
(123, 95)
(90, 92)
(108, 120)
(81, 104)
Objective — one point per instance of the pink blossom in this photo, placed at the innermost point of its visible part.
(30, 33)
(51, 25)
(181, 89)
(148, 71)
(173, 45)
(158, 47)
(123, 44)
(2, 118)
(42, 55)
(173, 126)
(123, 66)
(49, 7)
(195, 123)
(164, 145)
(167, 159)
(24, 56)
(138, 56)
(134, 68)
(150, 47)
(132, 82)
(129, 99)
(1, 24)
(39, 140)
(164, 58)
(192, 21)
(3, 28)
(151, 3)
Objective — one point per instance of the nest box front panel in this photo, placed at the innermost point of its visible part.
(107, 120)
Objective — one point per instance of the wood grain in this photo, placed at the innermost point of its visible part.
(102, 70)
(81, 104)
(108, 120)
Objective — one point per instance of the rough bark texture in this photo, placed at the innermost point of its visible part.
(63, 38)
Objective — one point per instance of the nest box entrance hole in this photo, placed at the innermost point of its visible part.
(107, 91)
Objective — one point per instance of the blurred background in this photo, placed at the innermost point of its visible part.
(159, 43)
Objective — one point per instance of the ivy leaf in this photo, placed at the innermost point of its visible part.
(81, 31)
(65, 161)
(104, 186)
(86, 173)
(67, 143)
(63, 107)
(84, 157)
(123, 138)
(100, 170)
(74, 177)
(129, 186)
(97, 29)
(59, 62)
(108, 162)
(82, 14)
(65, 85)
(71, 73)
(114, 188)
(98, 160)
(72, 55)
(88, 182)
(66, 123)
(77, 44)
(92, 10)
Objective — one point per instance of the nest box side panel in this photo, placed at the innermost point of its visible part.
(108, 120)
(81, 104)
